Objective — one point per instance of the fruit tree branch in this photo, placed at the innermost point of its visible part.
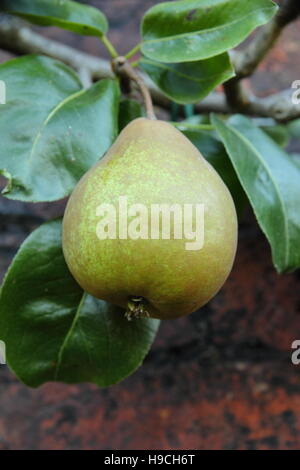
(247, 60)
(18, 38)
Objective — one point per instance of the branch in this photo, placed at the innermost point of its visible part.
(278, 106)
(245, 62)
(18, 38)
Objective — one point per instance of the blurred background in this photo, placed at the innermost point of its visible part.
(221, 378)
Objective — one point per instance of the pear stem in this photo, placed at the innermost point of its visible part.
(122, 67)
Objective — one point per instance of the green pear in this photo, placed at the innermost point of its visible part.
(119, 257)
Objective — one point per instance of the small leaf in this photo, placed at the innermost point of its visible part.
(129, 110)
(59, 130)
(54, 331)
(65, 14)
(189, 82)
(189, 30)
(272, 182)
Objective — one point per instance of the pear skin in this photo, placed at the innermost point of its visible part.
(151, 162)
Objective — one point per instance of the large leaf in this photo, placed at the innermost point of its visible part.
(272, 182)
(65, 14)
(189, 82)
(189, 30)
(214, 152)
(54, 331)
(52, 131)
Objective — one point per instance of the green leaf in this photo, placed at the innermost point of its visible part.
(54, 331)
(189, 30)
(189, 82)
(52, 131)
(272, 182)
(279, 133)
(65, 14)
(296, 158)
(196, 120)
(214, 152)
(129, 110)
(294, 128)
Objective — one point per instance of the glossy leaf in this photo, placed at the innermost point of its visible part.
(189, 30)
(66, 14)
(272, 182)
(54, 331)
(52, 131)
(213, 150)
(129, 110)
(189, 82)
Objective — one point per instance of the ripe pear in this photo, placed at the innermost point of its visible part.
(151, 162)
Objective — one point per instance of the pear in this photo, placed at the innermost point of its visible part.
(150, 164)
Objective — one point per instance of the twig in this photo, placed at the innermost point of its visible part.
(18, 38)
(122, 67)
(236, 96)
(279, 106)
(246, 61)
